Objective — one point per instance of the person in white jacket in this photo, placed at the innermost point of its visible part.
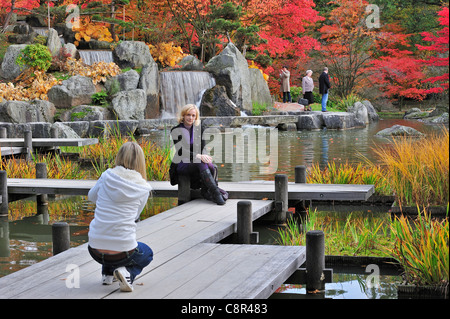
(120, 195)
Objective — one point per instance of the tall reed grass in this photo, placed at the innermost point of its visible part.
(102, 155)
(421, 247)
(355, 234)
(345, 173)
(417, 170)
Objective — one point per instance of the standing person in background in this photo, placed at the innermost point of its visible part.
(285, 84)
(120, 195)
(324, 86)
(308, 87)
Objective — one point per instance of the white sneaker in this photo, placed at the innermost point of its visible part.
(123, 276)
(108, 279)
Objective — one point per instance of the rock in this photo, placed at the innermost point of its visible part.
(65, 131)
(77, 90)
(9, 69)
(415, 113)
(86, 113)
(439, 119)
(107, 128)
(79, 127)
(341, 120)
(132, 54)
(53, 42)
(23, 28)
(399, 130)
(191, 63)
(129, 105)
(149, 82)
(372, 113)
(215, 102)
(311, 121)
(24, 112)
(230, 69)
(360, 112)
(260, 92)
(125, 81)
(99, 45)
(72, 50)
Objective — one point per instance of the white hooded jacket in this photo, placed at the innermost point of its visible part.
(120, 196)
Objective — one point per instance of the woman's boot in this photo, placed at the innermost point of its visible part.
(210, 183)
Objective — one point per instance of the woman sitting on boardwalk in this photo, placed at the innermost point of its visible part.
(189, 160)
(120, 195)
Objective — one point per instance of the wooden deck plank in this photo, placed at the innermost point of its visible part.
(49, 142)
(4, 151)
(255, 190)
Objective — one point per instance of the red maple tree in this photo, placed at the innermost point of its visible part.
(439, 49)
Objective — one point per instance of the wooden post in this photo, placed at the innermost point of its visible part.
(300, 174)
(60, 237)
(28, 144)
(315, 261)
(42, 199)
(244, 225)
(4, 193)
(281, 198)
(302, 205)
(184, 189)
(3, 132)
(244, 221)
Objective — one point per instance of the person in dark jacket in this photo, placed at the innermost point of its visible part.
(189, 157)
(324, 86)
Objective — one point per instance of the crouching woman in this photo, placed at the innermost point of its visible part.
(120, 195)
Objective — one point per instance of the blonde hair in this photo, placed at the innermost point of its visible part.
(186, 109)
(131, 156)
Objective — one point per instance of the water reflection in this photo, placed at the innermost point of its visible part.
(310, 147)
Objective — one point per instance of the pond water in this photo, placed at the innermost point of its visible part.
(25, 239)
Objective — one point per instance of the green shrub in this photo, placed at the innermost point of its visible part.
(36, 56)
(100, 98)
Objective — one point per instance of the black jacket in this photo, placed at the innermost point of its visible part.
(324, 83)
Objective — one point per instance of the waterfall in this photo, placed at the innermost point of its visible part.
(179, 88)
(90, 57)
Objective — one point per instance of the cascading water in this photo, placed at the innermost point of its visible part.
(179, 88)
(90, 57)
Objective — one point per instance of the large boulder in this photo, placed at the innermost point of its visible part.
(399, 130)
(77, 90)
(24, 112)
(86, 113)
(360, 112)
(341, 120)
(372, 113)
(129, 105)
(149, 82)
(9, 69)
(53, 42)
(215, 102)
(260, 92)
(230, 69)
(132, 54)
(191, 63)
(310, 121)
(125, 81)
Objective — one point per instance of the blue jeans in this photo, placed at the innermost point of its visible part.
(287, 97)
(134, 263)
(324, 101)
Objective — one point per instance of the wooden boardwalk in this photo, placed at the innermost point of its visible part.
(247, 190)
(188, 262)
(48, 142)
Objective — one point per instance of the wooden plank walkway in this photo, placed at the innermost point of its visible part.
(187, 262)
(247, 190)
(48, 142)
